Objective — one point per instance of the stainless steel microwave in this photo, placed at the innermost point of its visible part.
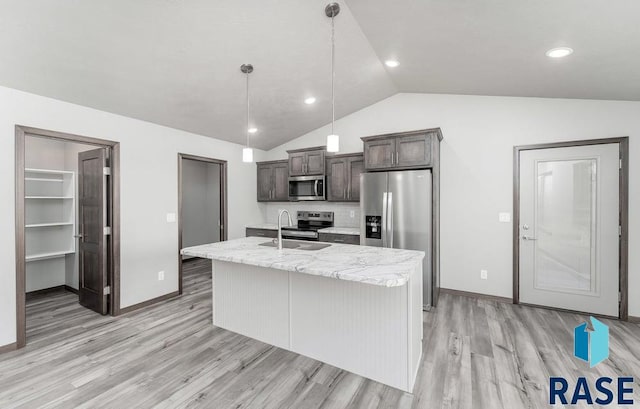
(307, 188)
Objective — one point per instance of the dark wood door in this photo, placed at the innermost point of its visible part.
(92, 208)
(265, 182)
(413, 151)
(315, 162)
(337, 182)
(355, 167)
(281, 181)
(297, 165)
(379, 153)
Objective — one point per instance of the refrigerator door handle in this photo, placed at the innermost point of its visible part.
(390, 218)
(384, 219)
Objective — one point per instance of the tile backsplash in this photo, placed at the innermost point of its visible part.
(341, 218)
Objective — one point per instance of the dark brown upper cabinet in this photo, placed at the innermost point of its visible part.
(308, 161)
(273, 181)
(406, 150)
(343, 177)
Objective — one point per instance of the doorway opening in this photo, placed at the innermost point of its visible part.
(570, 231)
(202, 203)
(67, 225)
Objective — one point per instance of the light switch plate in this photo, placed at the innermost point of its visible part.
(504, 217)
(352, 214)
(171, 217)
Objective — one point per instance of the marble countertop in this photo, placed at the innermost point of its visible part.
(264, 226)
(354, 231)
(372, 265)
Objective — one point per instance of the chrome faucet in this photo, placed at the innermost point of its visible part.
(280, 226)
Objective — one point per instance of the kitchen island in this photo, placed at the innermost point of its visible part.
(358, 308)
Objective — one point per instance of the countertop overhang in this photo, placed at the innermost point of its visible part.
(365, 264)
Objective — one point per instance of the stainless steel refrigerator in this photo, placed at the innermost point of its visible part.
(395, 211)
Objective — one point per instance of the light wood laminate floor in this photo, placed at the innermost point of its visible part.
(477, 354)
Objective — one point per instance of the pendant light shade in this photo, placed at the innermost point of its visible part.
(247, 152)
(333, 140)
(247, 155)
(333, 143)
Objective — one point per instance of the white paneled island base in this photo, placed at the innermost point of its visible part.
(369, 325)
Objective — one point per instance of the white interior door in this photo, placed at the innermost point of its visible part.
(569, 221)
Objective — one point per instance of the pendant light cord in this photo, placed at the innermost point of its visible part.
(247, 129)
(333, 74)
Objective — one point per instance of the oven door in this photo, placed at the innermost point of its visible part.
(307, 188)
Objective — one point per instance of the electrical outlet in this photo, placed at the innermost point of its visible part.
(171, 217)
(504, 217)
(484, 274)
(160, 275)
(352, 214)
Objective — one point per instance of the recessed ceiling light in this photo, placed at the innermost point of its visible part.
(252, 130)
(391, 63)
(559, 52)
(309, 100)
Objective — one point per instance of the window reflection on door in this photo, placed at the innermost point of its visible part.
(565, 222)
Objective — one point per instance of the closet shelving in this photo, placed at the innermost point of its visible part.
(50, 213)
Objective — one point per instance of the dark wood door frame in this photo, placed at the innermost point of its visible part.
(113, 209)
(624, 213)
(224, 228)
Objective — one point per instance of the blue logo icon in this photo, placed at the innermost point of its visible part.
(591, 345)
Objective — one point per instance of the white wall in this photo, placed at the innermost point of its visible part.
(149, 191)
(479, 135)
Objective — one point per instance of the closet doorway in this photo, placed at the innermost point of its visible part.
(202, 207)
(67, 226)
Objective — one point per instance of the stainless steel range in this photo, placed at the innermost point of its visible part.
(308, 225)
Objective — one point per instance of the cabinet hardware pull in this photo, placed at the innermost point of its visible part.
(397, 157)
(392, 158)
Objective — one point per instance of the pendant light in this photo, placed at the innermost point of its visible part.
(333, 140)
(247, 152)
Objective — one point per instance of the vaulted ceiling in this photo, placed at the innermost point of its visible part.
(176, 62)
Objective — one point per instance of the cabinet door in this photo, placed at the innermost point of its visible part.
(251, 232)
(315, 162)
(297, 164)
(265, 182)
(413, 151)
(379, 154)
(355, 167)
(337, 182)
(339, 238)
(281, 181)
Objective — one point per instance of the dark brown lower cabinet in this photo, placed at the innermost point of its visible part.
(251, 232)
(340, 238)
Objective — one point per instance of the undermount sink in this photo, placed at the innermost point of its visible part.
(299, 245)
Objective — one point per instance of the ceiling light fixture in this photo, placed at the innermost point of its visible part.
(559, 52)
(309, 100)
(252, 130)
(391, 63)
(333, 140)
(247, 152)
